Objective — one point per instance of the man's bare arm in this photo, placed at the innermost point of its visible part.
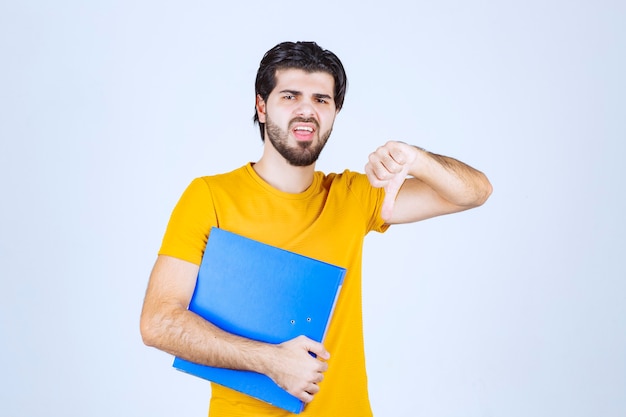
(167, 324)
(436, 185)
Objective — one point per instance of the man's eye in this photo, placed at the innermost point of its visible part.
(322, 100)
(289, 97)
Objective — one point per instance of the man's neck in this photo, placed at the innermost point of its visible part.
(278, 173)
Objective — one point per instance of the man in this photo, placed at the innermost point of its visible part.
(282, 201)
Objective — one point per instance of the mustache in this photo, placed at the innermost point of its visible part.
(304, 120)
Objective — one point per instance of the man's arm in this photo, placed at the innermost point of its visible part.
(167, 324)
(436, 184)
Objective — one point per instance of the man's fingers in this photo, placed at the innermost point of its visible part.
(318, 349)
(382, 165)
(303, 396)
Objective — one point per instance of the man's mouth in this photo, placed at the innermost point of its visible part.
(304, 131)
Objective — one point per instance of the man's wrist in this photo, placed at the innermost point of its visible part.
(419, 161)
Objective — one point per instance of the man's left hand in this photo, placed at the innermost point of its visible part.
(388, 167)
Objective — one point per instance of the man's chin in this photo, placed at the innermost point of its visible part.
(305, 144)
(303, 161)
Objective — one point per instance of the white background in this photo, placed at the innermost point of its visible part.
(108, 109)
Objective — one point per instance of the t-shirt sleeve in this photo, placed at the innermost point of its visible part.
(189, 225)
(371, 200)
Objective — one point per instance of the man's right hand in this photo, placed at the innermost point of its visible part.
(165, 317)
(295, 370)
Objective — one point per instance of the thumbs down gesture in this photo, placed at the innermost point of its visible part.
(388, 168)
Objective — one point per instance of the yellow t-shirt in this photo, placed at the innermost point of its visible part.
(328, 222)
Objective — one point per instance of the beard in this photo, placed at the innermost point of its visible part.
(303, 153)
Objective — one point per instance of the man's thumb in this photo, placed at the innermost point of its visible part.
(318, 349)
(391, 192)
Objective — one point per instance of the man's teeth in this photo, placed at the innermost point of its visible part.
(306, 129)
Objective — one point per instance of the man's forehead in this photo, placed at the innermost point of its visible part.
(295, 76)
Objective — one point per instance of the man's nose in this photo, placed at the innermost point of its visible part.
(305, 109)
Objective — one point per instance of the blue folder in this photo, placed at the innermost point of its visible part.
(263, 293)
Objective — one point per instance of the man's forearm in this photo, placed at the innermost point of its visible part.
(453, 180)
(183, 333)
(289, 364)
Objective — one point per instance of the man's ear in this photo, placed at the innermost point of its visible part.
(260, 108)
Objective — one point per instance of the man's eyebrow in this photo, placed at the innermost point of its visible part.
(292, 92)
(299, 93)
(320, 95)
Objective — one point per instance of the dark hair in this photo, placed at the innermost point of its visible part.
(307, 56)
